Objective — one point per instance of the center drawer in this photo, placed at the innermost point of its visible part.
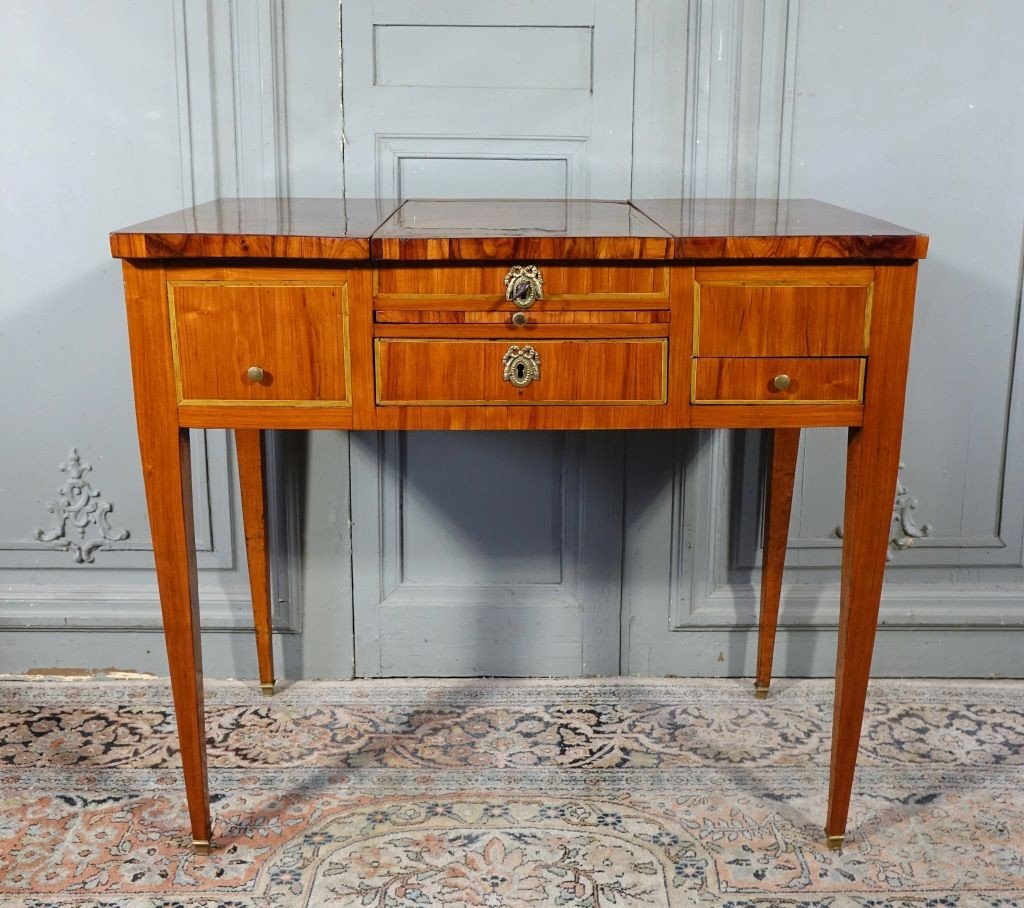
(485, 287)
(481, 372)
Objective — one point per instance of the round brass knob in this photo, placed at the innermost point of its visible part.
(519, 318)
(780, 382)
(255, 374)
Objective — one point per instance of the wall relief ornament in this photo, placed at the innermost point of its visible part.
(78, 507)
(905, 528)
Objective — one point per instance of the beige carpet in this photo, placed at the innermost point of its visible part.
(586, 794)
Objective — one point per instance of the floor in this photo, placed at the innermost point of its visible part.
(585, 794)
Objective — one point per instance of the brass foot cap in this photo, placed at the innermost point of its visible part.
(760, 692)
(268, 689)
(201, 846)
(835, 842)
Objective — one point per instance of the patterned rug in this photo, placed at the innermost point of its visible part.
(584, 794)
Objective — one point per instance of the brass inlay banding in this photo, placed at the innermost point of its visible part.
(516, 403)
(757, 402)
(342, 286)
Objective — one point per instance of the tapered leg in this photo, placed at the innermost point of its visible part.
(166, 469)
(873, 454)
(249, 448)
(778, 503)
(168, 473)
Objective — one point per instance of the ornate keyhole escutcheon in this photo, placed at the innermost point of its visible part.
(524, 285)
(521, 365)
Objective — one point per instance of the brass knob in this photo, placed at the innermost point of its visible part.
(780, 382)
(255, 374)
(519, 318)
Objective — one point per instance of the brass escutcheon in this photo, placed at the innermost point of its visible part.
(521, 365)
(524, 285)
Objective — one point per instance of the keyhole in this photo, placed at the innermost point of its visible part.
(520, 371)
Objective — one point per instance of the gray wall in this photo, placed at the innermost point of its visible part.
(114, 112)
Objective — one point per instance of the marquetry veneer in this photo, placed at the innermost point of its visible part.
(511, 314)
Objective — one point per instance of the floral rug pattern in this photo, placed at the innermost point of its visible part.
(584, 794)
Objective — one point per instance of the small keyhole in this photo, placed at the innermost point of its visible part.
(520, 371)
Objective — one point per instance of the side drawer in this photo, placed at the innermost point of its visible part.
(782, 312)
(772, 380)
(244, 342)
(472, 372)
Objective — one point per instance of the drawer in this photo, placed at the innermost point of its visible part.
(796, 312)
(514, 319)
(292, 336)
(484, 286)
(471, 372)
(777, 381)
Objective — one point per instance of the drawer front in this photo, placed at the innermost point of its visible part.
(470, 372)
(819, 313)
(256, 342)
(777, 381)
(519, 320)
(562, 286)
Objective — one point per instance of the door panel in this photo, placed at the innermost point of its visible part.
(471, 554)
(486, 565)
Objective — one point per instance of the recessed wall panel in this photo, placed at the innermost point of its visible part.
(482, 56)
(484, 177)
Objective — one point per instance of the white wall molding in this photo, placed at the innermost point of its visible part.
(211, 483)
(395, 588)
(739, 117)
(740, 69)
(395, 151)
(229, 71)
(134, 606)
(960, 554)
(904, 605)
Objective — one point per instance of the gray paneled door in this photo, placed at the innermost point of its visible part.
(487, 553)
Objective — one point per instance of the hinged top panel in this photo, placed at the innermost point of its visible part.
(518, 229)
(286, 228)
(779, 229)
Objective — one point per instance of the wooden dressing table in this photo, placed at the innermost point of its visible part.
(443, 314)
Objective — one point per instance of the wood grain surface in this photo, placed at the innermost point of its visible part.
(783, 447)
(487, 283)
(471, 372)
(281, 228)
(511, 230)
(616, 345)
(167, 472)
(746, 380)
(872, 462)
(298, 334)
(251, 481)
(738, 320)
(533, 317)
(779, 229)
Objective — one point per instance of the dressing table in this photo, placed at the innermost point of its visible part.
(520, 314)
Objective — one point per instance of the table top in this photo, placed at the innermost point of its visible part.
(501, 229)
